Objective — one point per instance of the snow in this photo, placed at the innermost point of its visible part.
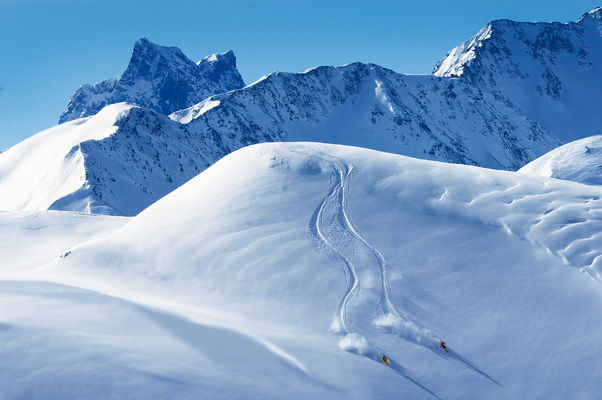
(160, 78)
(50, 165)
(549, 71)
(149, 154)
(209, 58)
(50, 233)
(453, 64)
(188, 114)
(287, 270)
(578, 161)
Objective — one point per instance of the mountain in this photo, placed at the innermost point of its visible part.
(118, 161)
(505, 97)
(126, 157)
(370, 106)
(160, 78)
(482, 107)
(578, 161)
(287, 270)
(549, 71)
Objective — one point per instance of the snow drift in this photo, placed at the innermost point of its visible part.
(578, 161)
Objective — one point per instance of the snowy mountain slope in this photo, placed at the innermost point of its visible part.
(578, 161)
(370, 106)
(123, 159)
(549, 71)
(310, 249)
(118, 161)
(50, 165)
(33, 239)
(477, 118)
(160, 78)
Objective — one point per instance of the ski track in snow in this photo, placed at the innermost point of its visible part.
(330, 201)
(332, 226)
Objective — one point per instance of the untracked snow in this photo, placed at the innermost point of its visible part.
(33, 239)
(116, 162)
(578, 161)
(50, 166)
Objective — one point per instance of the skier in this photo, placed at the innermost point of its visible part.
(385, 360)
(443, 346)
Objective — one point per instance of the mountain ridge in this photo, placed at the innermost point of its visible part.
(443, 118)
(549, 71)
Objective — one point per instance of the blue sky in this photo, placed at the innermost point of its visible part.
(49, 47)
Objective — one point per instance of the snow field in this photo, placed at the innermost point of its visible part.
(248, 281)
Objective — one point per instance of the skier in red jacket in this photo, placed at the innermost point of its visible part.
(443, 346)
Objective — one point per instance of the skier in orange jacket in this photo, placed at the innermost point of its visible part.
(385, 360)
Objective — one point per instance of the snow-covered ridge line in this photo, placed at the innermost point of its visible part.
(376, 108)
(549, 71)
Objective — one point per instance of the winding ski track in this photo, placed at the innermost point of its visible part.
(362, 303)
(331, 224)
(332, 200)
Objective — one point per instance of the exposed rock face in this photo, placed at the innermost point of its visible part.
(160, 78)
(369, 106)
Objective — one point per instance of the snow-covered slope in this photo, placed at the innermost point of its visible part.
(250, 280)
(50, 165)
(578, 161)
(160, 78)
(33, 239)
(118, 161)
(550, 71)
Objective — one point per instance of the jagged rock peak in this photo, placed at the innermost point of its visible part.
(160, 78)
(149, 59)
(219, 65)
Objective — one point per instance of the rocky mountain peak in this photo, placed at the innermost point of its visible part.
(221, 66)
(150, 60)
(160, 78)
(550, 71)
